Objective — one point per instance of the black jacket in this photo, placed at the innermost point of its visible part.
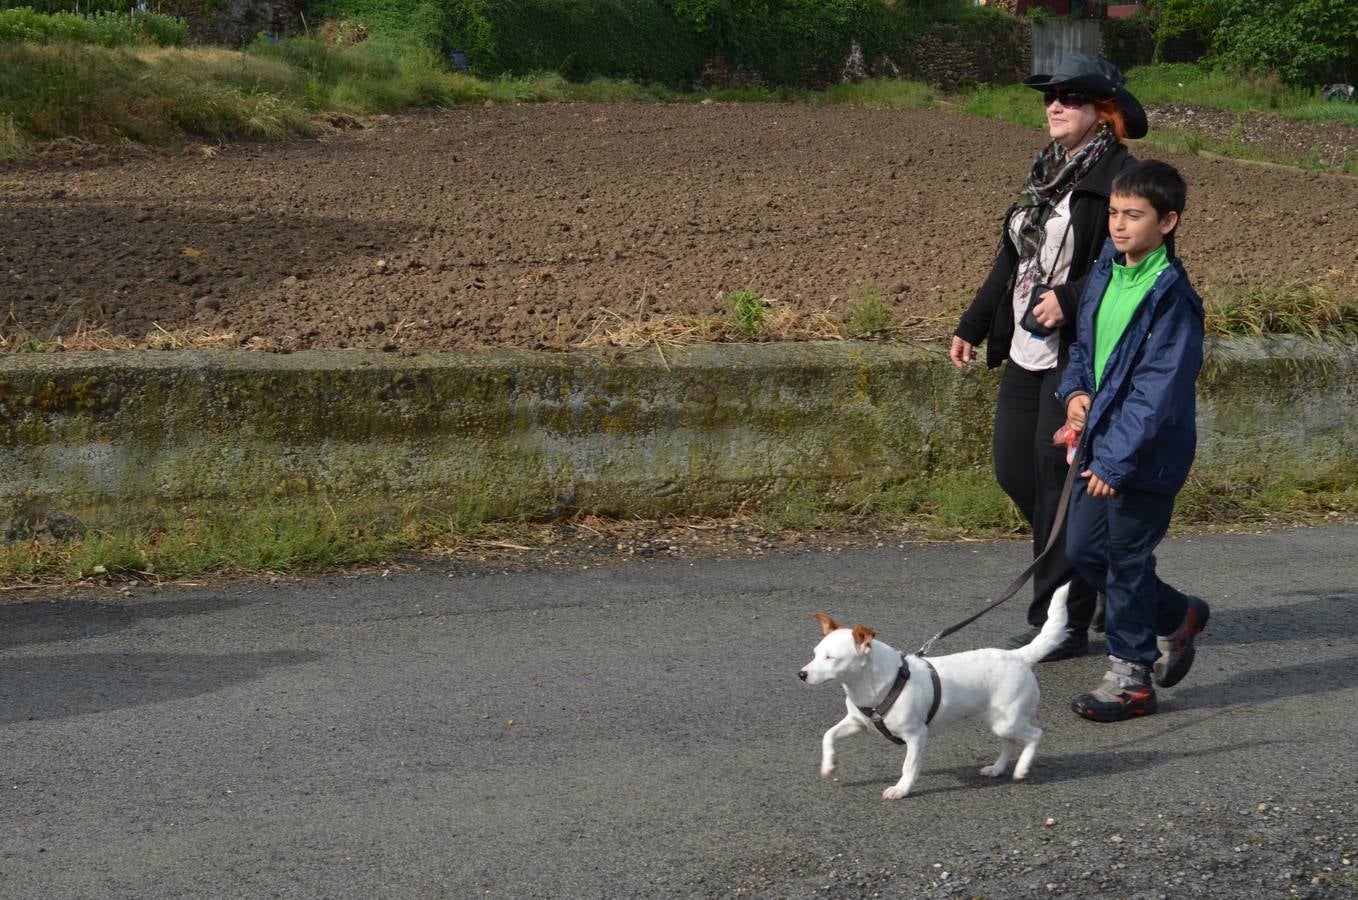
(990, 317)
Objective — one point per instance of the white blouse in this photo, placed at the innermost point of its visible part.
(1051, 265)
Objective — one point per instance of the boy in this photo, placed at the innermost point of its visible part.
(1129, 388)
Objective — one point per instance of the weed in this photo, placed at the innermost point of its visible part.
(796, 511)
(14, 143)
(747, 313)
(869, 315)
(894, 502)
(968, 502)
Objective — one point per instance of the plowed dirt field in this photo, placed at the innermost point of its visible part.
(550, 225)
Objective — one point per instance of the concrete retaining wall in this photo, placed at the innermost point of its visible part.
(626, 433)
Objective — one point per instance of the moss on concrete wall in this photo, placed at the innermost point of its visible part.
(537, 433)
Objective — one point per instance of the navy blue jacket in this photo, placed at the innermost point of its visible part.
(1141, 432)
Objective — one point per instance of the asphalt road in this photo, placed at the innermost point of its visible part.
(639, 730)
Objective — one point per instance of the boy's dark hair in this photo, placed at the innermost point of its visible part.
(1158, 183)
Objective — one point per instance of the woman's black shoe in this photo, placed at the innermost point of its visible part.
(1075, 644)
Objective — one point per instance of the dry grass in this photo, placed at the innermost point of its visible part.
(187, 339)
(87, 336)
(754, 319)
(1318, 307)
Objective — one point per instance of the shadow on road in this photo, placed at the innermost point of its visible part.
(1259, 685)
(70, 620)
(1101, 763)
(57, 687)
(1320, 613)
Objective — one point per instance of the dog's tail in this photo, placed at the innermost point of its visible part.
(1053, 632)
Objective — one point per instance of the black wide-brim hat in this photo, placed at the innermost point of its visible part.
(1099, 78)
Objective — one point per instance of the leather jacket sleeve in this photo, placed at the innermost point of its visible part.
(993, 295)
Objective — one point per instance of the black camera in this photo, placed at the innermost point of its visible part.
(1029, 321)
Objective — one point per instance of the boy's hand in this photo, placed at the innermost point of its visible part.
(1048, 311)
(1097, 486)
(1077, 411)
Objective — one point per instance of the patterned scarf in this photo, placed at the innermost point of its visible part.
(1052, 176)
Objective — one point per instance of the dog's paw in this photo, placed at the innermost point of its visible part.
(1020, 774)
(827, 771)
(893, 793)
(993, 771)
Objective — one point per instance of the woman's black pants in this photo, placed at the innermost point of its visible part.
(1031, 471)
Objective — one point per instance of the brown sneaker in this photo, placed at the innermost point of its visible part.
(1176, 650)
(1125, 693)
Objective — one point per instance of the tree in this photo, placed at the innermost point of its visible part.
(1185, 18)
(1307, 42)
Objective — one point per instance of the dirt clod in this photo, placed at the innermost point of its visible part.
(560, 223)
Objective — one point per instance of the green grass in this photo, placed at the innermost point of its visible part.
(148, 95)
(1193, 85)
(1012, 103)
(968, 502)
(1178, 83)
(1188, 83)
(299, 536)
(282, 537)
(940, 506)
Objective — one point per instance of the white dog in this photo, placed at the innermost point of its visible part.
(998, 684)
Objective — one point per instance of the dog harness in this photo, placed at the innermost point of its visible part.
(877, 714)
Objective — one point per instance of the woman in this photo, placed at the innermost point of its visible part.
(1025, 310)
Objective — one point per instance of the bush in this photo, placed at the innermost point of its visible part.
(107, 29)
(150, 95)
(803, 41)
(637, 39)
(662, 41)
(1307, 42)
(87, 7)
(1129, 42)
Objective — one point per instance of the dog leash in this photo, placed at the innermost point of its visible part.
(1058, 528)
(877, 714)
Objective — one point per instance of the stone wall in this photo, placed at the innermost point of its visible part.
(947, 57)
(944, 56)
(236, 22)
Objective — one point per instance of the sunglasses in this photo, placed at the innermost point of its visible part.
(1068, 99)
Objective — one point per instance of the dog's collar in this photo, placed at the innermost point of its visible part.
(877, 714)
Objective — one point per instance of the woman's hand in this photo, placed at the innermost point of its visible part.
(961, 352)
(1048, 311)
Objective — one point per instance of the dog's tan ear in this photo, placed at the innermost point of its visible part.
(862, 637)
(827, 624)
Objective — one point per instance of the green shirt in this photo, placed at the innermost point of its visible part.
(1126, 289)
